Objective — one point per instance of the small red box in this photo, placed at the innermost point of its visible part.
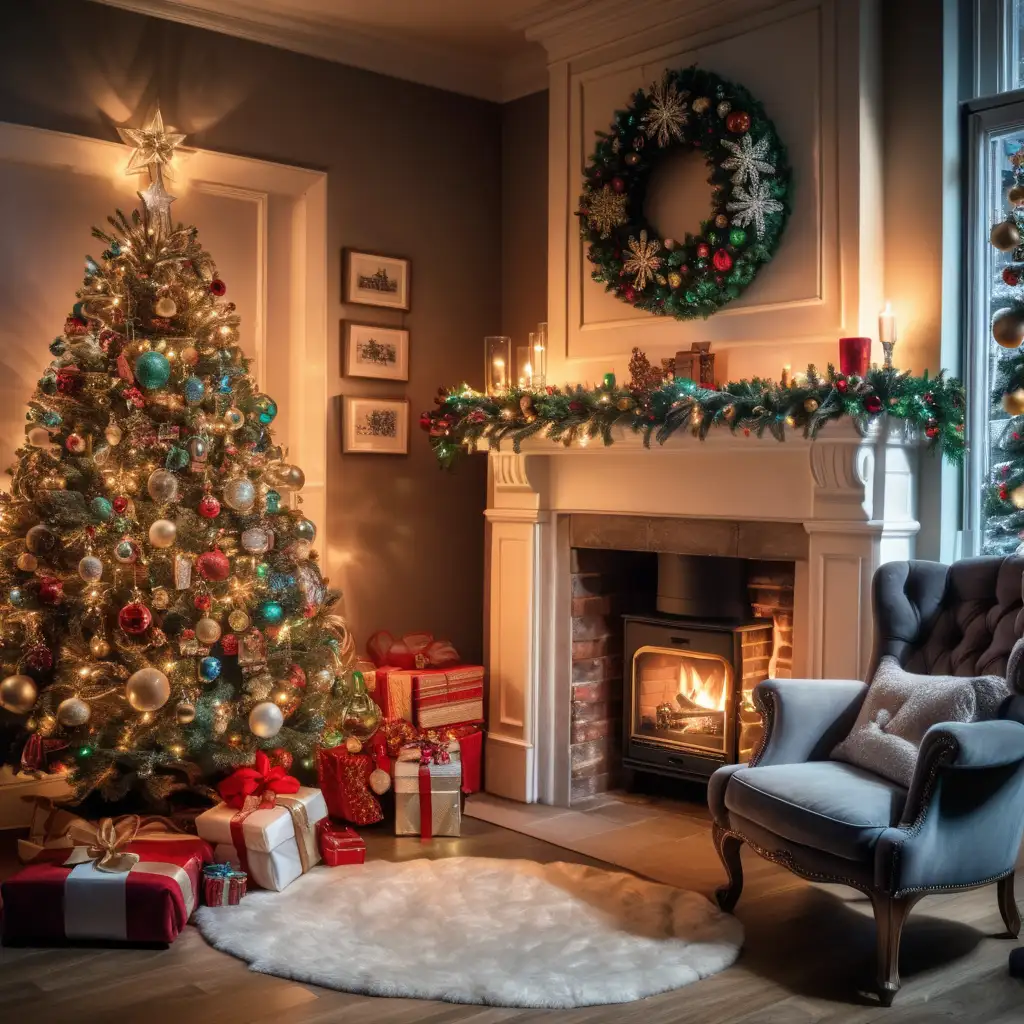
(452, 696)
(339, 845)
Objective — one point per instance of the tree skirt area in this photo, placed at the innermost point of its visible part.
(479, 930)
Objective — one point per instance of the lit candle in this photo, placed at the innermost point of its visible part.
(499, 372)
(785, 375)
(887, 332)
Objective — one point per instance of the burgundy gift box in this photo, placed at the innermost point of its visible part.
(448, 696)
(340, 845)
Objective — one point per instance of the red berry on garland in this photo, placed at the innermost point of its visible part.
(1003, 493)
(575, 407)
(218, 287)
(684, 269)
(425, 421)
(69, 380)
(629, 293)
(120, 504)
(213, 566)
(203, 602)
(738, 122)
(1011, 276)
(38, 658)
(929, 398)
(872, 403)
(209, 507)
(722, 261)
(229, 644)
(703, 250)
(841, 386)
(51, 590)
(135, 618)
(932, 431)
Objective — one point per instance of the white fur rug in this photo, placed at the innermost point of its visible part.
(475, 930)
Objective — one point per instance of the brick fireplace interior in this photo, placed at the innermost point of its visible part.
(607, 585)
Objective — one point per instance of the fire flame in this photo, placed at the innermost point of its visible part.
(704, 693)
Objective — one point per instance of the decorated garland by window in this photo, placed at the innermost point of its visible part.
(750, 185)
(657, 408)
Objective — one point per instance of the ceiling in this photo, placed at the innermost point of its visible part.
(478, 47)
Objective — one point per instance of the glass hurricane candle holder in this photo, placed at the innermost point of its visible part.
(540, 356)
(497, 363)
(524, 364)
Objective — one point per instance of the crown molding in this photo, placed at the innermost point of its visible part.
(357, 46)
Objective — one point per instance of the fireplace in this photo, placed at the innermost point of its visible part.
(687, 692)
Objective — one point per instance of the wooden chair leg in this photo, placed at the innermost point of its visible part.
(890, 915)
(1008, 906)
(728, 847)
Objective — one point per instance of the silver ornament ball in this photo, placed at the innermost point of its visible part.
(240, 494)
(162, 533)
(265, 720)
(73, 712)
(162, 486)
(90, 568)
(255, 540)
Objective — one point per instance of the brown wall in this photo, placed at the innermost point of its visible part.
(411, 170)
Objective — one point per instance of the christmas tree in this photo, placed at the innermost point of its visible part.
(1003, 502)
(162, 612)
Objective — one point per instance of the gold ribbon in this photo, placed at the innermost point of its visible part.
(303, 832)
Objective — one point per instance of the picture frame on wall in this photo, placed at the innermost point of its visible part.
(374, 351)
(373, 279)
(375, 426)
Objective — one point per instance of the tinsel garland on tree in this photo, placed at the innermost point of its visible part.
(162, 612)
(657, 410)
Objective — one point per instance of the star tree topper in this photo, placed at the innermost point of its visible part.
(153, 148)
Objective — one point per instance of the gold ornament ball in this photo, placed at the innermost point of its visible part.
(189, 355)
(18, 694)
(98, 647)
(165, 306)
(1008, 328)
(811, 405)
(73, 712)
(1017, 497)
(675, 279)
(27, 562)
(148, 689)
(380, 781)
(701, 104)
(208, 630)
(185, 713)
(1016, 195)
(1005, 236)
(160, 599)
(1013, 402)
(632, 159)
(353, 744)
(47, 725)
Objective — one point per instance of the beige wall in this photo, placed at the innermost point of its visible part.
(411, 170)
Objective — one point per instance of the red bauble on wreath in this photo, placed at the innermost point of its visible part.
(134, 618)
(722, 261)
(51, 590)
(213, 566)
(209, 507)
(38, 658)
(872, 403)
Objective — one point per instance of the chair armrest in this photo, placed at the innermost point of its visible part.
(963, 820)
(805, 718)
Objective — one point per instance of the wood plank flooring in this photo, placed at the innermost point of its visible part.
(808, 959)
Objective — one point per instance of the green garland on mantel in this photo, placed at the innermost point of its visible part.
(571, 415)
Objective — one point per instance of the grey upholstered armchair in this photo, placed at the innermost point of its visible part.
(958, 826)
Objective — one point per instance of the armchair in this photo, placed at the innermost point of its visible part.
(958, 826)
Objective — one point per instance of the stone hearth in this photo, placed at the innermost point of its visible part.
(835, 507)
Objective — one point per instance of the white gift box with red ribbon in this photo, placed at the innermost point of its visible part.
(274, 844)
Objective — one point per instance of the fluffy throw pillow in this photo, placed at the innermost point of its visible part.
(901, 707)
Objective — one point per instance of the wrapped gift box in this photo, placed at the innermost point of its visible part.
(63, 894)
(428, 801)
(345, 782)
(449, 696)
(223, 885)
(274, 844)
(340, 845)
(393, 693)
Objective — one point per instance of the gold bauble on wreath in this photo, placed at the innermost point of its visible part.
(1008, 328)
(1013, 402)
(1017, 497)
(1016, 195)
(1005, 236)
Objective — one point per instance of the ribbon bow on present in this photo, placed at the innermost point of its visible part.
(223, 870)
(414, 650)
(245, 789)
(427, 752)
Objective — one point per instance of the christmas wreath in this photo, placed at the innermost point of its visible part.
(750, 185)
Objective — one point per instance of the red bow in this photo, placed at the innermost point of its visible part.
(258, 785)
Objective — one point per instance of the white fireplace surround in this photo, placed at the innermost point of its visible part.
(855, 495)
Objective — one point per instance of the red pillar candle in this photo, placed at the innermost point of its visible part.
(854, 356)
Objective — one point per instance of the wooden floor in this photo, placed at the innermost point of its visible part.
(807, 958)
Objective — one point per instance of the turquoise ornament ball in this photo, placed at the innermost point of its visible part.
(209, 669)
(16, 597)
(305, 529)
(273, 502)
(266, 409)
(270, 613)
(152, 370)
(101, 508)
(194, 389)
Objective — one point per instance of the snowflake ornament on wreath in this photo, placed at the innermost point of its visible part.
(750, 185)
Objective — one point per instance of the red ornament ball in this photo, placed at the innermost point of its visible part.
(134, 618)
(872, 403)
(218, 287)
(629, 293)
(618, 185)
(841, 386)
(229, 644)
(213, 566)
(297, 677)
(929, 398)
(120, 504)
(51, 590)
(1011, 276)
(931, 431)
(703, 251)
(203, 602)
(425, 421)
(722, 261)
(280, 756)
(75, 444)
(738, 122)
(69, 380)
(209, 507)
(38, 658)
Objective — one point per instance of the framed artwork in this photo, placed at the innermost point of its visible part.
(371, 279)
(380, 352)
(375, 426)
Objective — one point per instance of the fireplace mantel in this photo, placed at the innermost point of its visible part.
(853, 492)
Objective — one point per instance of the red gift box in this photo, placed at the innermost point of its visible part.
(345, 784)
(393, 693)
(453, 696)
(129, 879)
(339, 845)
(470, 739)
(223, 885)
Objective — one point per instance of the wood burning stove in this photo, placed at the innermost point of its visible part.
(687, 703)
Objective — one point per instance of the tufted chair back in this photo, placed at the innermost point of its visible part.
(957, 620)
